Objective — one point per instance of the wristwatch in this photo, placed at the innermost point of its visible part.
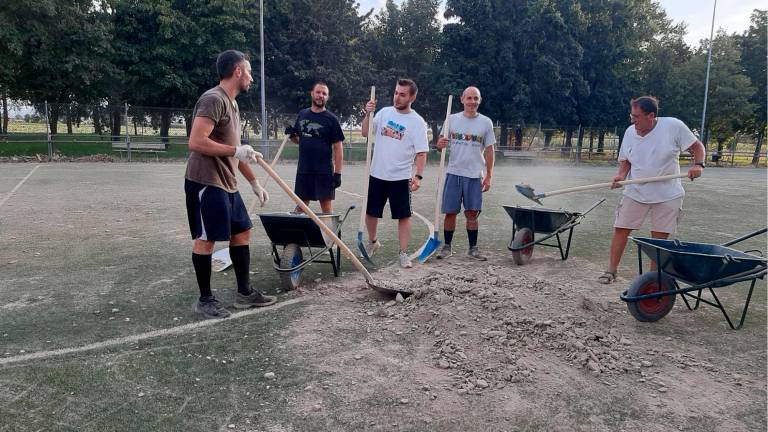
(701, 164)
(419, 176)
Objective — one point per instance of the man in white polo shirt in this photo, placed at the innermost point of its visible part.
(650, 148)
(401, 141)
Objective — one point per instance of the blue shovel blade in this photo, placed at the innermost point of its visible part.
(361, 246)
(429, 248)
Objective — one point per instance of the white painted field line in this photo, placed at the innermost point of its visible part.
(142, 336)
(19, 185)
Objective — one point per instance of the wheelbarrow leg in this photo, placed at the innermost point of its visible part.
(743, 312)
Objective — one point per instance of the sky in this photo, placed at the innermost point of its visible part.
(731, 15)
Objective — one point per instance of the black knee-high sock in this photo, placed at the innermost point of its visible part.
(472, 235)
(202, 264)
(241, 262)
(448, 235)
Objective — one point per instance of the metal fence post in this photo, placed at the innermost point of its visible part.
(127, 137)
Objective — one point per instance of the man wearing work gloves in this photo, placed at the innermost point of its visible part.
(651, 147)
(319, 136)
(215, 210)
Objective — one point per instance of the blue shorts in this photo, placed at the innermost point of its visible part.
(460, 189)
(213, 213)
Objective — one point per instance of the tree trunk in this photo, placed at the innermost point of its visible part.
(504, 137)
(600, 141)
(756, 155)
(591, 141)
(720, 144)
(548, 138)
(518, 138)
(97, 121)
(435, 132)
(4, 124)
(114, 126)
(69, 120)
(567, 141)
(165, 126)
(53, 118)
(579, 143)
(188, 123)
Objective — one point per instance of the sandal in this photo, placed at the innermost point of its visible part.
(607, 277)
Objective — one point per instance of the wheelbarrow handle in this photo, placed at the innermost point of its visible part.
(744, 237)
(597, 203)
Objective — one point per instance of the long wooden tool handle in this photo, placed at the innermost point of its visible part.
(329, 232)
(604, 185)
(439, 192)
(277, 156)
(370, 137)
(255, 201)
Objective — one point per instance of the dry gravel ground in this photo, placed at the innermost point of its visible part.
(491, 346)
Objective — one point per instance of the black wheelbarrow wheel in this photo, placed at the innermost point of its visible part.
(652, 309)
(291, 257)
(522, 237)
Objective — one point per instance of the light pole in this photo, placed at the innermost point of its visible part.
(263, 97)
(706, 81)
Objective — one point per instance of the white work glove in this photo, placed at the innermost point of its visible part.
(246, 153)
(260, 192)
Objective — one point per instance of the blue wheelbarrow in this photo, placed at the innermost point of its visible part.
(297, 232)
(700, 266)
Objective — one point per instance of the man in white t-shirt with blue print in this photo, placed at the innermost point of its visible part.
(651, 148)
(470, 140)
(400, 142)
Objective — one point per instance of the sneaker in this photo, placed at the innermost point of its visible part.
(405, 260)
(474, 252)
(254, 299)
(211, 308)
(372, 247)
(445, 252)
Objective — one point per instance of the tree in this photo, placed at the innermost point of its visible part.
(753, 62)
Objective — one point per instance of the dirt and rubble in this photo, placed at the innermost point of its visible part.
(543, 332)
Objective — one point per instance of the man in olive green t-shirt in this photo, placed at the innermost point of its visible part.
(215, 210)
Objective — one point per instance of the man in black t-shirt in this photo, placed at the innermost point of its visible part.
(318, 134)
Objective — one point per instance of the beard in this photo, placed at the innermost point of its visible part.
(318, 103)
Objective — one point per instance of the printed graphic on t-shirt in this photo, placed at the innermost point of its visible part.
(393, 130)
(310, 128)
(467, 139)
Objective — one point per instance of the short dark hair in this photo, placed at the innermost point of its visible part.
(647, 104)
(227, 61)
(317, 83)
(405, 82)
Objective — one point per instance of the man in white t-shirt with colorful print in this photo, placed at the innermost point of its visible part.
(651, 147)
(401, 142)
(470, 140)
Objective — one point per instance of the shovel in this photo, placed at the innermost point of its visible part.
(364, 200)
(221, 259)
(527, 190)
(380, 286)
(430, 247)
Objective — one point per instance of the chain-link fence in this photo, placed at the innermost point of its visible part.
(128, 133)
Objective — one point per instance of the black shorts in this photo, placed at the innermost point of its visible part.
(213, 213)
(313, 187)
(397, 192)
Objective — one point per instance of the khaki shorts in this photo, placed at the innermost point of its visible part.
(665, 216)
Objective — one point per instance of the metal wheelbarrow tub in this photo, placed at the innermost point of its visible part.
(700, 266)
(295, 231)
(529, 221)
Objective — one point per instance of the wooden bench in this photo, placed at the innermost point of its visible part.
(519, 155)
(139, 147)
